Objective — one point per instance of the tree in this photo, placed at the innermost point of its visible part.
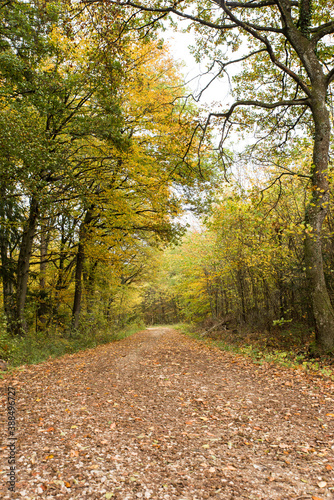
(95, 148)
(287, 50)
(133, 193)
(54, 107)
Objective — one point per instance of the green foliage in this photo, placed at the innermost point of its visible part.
(37, 347)
(244, 262)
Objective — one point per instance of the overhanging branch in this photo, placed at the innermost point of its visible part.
(321, 31)
(254, 5)
(249, 29)
(259, 104)
(330, 76)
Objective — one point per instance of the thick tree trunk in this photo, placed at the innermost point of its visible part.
(43, 308)
(19, 323)
(7, 261)
(241, 292)
(78, 286)
(315, 215)
(79, 268)
(7, 279)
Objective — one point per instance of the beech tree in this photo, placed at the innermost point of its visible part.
(286, 47)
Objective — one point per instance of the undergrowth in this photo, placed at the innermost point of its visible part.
(35, 347)
(261, 355)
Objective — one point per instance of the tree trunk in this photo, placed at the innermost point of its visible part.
(89, 280)
(7, 262)
(19, 323)
(78, 286)
(7, 277)
(315, 214)
(79, 268)
(42, 310)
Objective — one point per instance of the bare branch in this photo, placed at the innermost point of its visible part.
(255, 5)
(268, 46)
(244, 57)
(330, 76)
(222, 69)
(232, 5)
(321, 31)
(288, 171)
(167, 10)
(260, 104)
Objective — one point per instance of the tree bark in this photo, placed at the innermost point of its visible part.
(42, 310)
(19, 323)
(89, 281)
(79, 268)
(7, 262)
(316, 212)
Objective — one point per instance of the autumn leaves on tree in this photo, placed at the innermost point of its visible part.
(95, 141)
(102, 150)
(284, 91)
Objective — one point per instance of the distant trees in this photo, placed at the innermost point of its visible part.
(245, 263)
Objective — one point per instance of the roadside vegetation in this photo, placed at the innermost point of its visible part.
(255, 348)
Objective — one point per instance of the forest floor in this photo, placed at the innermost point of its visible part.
(161, 416)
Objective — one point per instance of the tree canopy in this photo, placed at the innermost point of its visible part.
(98, 151)
(103, 150)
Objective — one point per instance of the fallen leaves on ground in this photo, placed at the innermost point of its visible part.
(162, 416)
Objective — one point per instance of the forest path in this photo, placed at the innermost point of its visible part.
(161, 416)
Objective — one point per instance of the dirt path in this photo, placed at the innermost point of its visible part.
(161, 416)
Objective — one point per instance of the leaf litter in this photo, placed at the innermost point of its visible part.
(161, 416)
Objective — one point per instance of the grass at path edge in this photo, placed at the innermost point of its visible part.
(36, 348)
(288, 359)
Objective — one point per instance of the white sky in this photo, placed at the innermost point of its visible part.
(217, 97)
(218, 91)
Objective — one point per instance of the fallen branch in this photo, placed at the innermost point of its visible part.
(213, 328)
